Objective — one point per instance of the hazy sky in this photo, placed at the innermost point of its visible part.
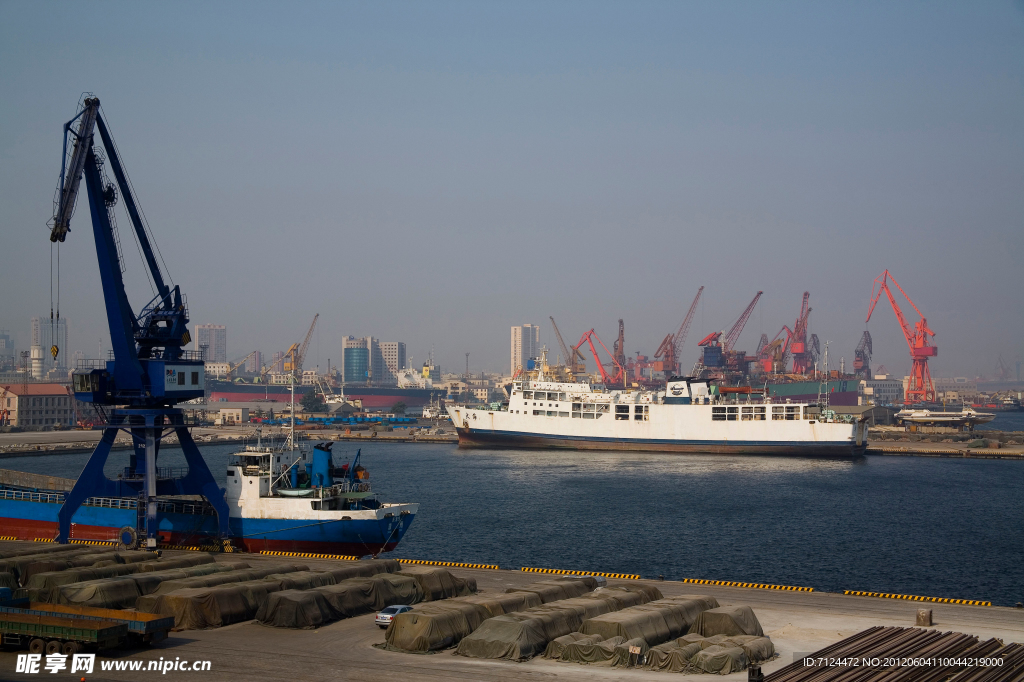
(437, 172)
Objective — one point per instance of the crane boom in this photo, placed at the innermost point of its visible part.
(684, 328)
(569, 355)
(920, 386)
(305, 345)
(733, 335)
(620, 373)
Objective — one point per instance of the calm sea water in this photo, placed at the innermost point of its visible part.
(935, 527)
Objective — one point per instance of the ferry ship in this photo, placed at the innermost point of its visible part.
(279, 500)
(688, 416)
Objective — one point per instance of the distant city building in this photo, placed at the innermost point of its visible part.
(525, 345)
(365, 358)
(277, 364)
(393, 353)
(956, 388)
(47, 333)
(6, 351)
(215, 338)
(882, 389)
(216, 369)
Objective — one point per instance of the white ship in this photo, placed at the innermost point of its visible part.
(689, 415)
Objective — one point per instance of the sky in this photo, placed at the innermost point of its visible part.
(437, 172)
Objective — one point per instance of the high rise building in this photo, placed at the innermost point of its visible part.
(525, 345)
(6, 351)
(215, 338)
(393, 353)
(46, 334)
(355, 361)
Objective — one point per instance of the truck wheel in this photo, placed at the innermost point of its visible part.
(70, 648)
(53, 647)
(36, 646)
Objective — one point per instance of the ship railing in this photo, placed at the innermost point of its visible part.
(107, 502)
(30, 496)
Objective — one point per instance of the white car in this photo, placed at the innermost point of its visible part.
(383, 618)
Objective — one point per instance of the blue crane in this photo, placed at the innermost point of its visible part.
(149, 372)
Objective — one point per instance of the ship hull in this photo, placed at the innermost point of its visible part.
(31, 520)
(470, 438)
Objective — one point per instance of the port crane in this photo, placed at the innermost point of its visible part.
(234, 366)
(862, 357)
(150, 372)
(620, 371)
(574, 358)
(672, 345)
(724, 355)
(920, 387)
(297, 353)
(802, 352)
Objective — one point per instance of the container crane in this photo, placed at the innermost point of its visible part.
(719, 352)
(150, 371)
(672, 345)
(920, 387)
(573, 358)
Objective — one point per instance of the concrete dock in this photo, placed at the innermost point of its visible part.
(798, 623)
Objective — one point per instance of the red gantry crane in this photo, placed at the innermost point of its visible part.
(803, 361)
(920, 387)
(672, 345)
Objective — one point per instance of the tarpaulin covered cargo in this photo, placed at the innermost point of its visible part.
(178, 562)
(17, 564)
(211, 607)
(434, 625)
(229, 575)
(499, 604)
(438, 583)
(136, 557)
(357, 596)
(8, 580)
(583, 651)
(553, 590)
(756, 648)
(673, 657)
(105, 593)
(557, 645)
(296, 609)
(727, 620)
(45, 587)
(23, 550)
(524, 634)
(657, 621)
(303, 580)
(622, 655)
(721, 660)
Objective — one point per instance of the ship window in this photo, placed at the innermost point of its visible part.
(538, 412)
(576, 407)
(561, 396)
(589, 407)
(759, 414)
(527, 395)
(733, 412)
(181, 378)
(231, 472)
(588, 415)
(604, 408)
(563, 414)
(718, 414)
(747, 414)
(577, 415)
(195, 378)
(792, 412)
(778, 412)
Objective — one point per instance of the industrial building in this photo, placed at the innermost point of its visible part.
(956, 388)
(525, 345)
(367, 359)
(214, 337)
(882, 389)
(36, 406)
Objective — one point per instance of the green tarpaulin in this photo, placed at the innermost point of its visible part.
(717, 659)
(657, 621)
(727, 620)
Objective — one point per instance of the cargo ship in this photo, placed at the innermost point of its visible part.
(372, 397)
(688, 416)
(279, 500)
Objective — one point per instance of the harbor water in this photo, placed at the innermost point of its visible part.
(922, 526)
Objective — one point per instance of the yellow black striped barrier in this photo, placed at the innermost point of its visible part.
(189, 548)
(910, 597)
(618, 576)
(7, 537)
(73, 541)
(305, 555)
(756, 586)
(454, 564)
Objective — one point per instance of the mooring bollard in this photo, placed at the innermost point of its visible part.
(924, 617)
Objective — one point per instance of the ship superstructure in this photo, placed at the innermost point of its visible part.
(688, 415)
